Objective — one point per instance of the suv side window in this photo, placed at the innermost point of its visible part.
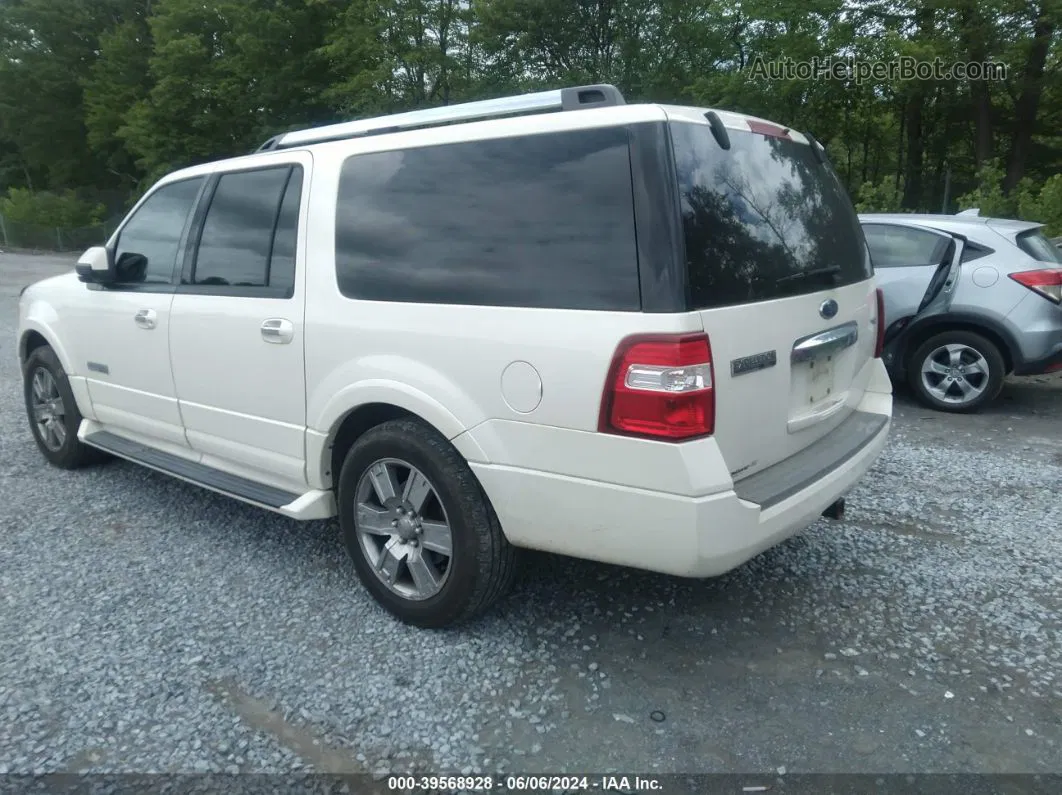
(249, 233)
(535, 220)
(146, 251)
(894, 246)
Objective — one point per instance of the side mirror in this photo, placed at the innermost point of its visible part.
(96, 265)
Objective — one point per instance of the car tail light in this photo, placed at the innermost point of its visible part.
(1047, 282)
(765, 128)
(879, 344)
(661, 387)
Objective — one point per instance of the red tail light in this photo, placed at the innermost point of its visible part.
(765, 128)
(879, 345)
(661, 387)
(1046, 282)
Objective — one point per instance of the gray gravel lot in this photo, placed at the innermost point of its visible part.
(151, 626)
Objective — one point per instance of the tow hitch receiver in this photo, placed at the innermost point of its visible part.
(835, 511)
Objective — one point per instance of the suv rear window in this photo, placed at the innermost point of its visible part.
(1036, 245)
(764, 219)
(536, 220)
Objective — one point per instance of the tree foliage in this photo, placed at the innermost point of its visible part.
(45, 208)
(108, 94)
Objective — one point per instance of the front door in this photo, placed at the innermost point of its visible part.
(121, 332)
(236, 333)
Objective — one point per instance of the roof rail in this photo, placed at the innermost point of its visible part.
(575, 98)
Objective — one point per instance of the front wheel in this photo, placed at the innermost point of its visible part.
(423, 536)
(957, 371)
(53, 414)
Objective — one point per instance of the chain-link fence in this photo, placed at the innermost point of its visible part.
(19, 235)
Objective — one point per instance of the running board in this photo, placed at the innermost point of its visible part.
(199, 474)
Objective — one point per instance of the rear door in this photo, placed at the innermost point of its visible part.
(779, 272)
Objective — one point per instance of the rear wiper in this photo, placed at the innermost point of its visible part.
(831, 270)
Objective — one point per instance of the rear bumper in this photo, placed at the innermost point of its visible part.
(1039, 326)
(683, 535)
(1050, 363)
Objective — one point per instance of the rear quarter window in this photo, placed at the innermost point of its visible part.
(764, 219)
(536, 221)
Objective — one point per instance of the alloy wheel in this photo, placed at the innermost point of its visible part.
(955, 373)
(49, 411)
(402, 529)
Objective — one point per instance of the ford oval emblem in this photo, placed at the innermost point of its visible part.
(828, 309)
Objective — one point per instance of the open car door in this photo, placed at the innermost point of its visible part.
(907, 304)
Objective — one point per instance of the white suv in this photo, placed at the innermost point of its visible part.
(642, 334)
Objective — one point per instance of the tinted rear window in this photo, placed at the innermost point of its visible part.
(759, 213)
(537, 221)
(1036, 245)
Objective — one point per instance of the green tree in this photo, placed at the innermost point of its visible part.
(46, 48)
(108, 94)
(116, 81)
(225, 77)
(388, 55)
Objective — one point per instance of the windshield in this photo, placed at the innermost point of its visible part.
(1036, 245)
(765, 219)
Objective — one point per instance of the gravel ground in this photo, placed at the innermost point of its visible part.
(148, 625)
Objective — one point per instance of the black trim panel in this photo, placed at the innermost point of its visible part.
(657, 219)
(786, 478)
(1041, 366)
(189, 470)
(190, 244)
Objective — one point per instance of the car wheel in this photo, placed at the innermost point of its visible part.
(52, 411)
(423, 536)
(956, 371)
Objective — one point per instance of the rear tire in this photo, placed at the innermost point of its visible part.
(53, 414)
(956, 371)
(423, 536)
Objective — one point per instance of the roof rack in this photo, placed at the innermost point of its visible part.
(575, 98)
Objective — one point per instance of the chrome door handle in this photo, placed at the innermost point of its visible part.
(146, 318)
(277, 330)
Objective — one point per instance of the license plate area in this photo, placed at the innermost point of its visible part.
(814, 364)
(818, 378)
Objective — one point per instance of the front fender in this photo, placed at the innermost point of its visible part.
(43, 319)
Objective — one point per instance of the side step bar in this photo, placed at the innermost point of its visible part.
(200, 474)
